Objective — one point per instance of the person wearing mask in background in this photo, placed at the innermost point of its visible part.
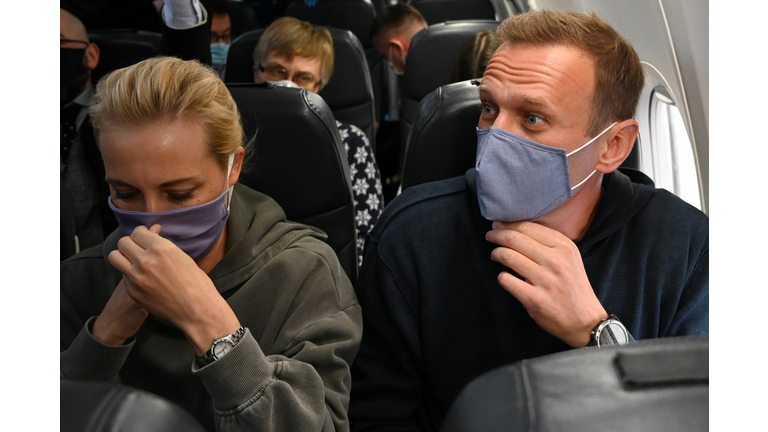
(205, 295)
(221, 33)
(474, 56)
(546, 245)
(297, 51)
(83, 189)
(392, 32)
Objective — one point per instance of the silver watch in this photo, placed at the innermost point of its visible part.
(220, 347)
(609, 331)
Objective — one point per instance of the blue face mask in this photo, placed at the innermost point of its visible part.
(219, 53)
(519, 179)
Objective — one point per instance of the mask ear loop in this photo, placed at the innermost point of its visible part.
(580, 148)
(230, 189)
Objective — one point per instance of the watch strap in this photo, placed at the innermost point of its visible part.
(209, 356)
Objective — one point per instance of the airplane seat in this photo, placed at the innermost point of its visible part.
(96, 406)
(437, 11)
(67, 226)
(442, 142)
(354, 15)
(349, 93)
(242, 17)
(430, 59)
(122, 48)
(649, 385)
(300, 162)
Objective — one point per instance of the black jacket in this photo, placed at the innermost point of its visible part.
(435, 316)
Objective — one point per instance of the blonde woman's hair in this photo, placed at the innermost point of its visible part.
(289, 37)
(169, 89)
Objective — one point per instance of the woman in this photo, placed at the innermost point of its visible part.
(299, 52)
(210, 274)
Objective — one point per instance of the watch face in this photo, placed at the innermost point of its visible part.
(613, 333)
(222, 348)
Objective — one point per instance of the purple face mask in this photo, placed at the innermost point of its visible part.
(195, 230)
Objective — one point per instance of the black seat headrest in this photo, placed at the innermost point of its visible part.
(98, 407)
(122, 48)
(443, 142)
(430, 59)
(349, 93)
(354, 15)
(437, 11)
(650, 385)
(300, 162)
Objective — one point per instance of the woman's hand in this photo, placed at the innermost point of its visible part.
(169, 284)
(121, 318)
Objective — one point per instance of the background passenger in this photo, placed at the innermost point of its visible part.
(297, 51)
(474, 56)
(209, 274)
(392, 31)
(81, 169)
(221, 34)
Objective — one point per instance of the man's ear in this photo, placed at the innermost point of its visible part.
(621, 139)
(92, 54)
(398, 48)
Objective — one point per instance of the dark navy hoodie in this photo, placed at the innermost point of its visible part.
(435, 317)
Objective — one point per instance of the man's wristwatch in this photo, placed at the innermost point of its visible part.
(609, 331)
(220, 347)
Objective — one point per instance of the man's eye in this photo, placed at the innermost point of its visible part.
(487, 109)
(533, 120)
(281, 72)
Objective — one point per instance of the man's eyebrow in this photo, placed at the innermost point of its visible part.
(528, 100)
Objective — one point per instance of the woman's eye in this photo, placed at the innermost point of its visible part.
(179, 197)
(533, 120)
(306, 79)
(122, 196)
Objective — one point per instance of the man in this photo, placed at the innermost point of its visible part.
(534, 251)
(298, 52)
(393, 30)
(81, 170)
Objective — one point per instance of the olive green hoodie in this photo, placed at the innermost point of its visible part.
(286, 286)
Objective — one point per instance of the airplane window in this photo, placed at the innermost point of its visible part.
(674, 163)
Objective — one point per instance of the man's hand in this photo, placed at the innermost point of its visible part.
(556, 291)
(169, 284)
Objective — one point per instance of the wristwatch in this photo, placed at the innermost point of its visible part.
(220, 347)
(609, 331)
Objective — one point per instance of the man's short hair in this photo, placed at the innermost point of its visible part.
(619, 75)
(289, 37)
(397, 16)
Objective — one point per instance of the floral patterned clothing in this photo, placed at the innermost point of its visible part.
(366, 182)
